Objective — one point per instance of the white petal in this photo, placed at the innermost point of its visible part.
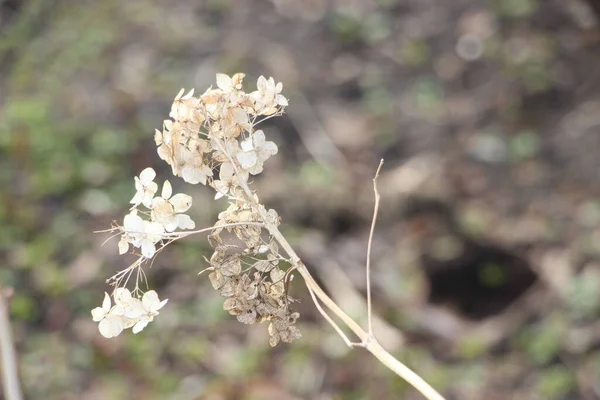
(239, 116)
(150, 299)
(122, 296)
(188, 95)
(123, 246)
(98, 314)
(170, 223)
(153, 230)
(193, 175)
(135, 309)
(106, 302)
(167, 190)
(246, 159)
(258, 138)
(117, 310)
(179, 94)
(133, 223)
(147, 175)
(261, 84)
(247, 144)
(226, 171)
(137, 198)
(148, 249)
(269, 148)
(111, 326)
(282, 101)
(181, 202)
(185, 222)
(256, 168)
(224, 82)
(140, 325)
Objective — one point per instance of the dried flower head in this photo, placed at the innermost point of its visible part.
(208, 135)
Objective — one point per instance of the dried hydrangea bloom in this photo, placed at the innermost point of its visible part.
(208, 133)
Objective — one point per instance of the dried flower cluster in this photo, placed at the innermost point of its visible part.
(210, 136)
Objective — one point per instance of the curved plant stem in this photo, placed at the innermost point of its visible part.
(367, 339)
(10, 379)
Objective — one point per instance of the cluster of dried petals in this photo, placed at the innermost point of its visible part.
(216, 129)
(166, 215)
(127, 312)
(256, 294)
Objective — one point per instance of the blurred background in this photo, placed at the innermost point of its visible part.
(486, 258)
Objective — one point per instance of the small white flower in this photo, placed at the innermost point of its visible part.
(268, 97)
(145, 187)
(194, 170)
(254, 152)
(144, 311)
(142, 234)
(229, 84)
(166, 210)
(110, 324)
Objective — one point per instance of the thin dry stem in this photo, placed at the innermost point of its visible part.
(373, 222)
(10, 378)
(368, 341)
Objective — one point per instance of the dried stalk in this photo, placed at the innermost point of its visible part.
(10, 378)
(367, 339)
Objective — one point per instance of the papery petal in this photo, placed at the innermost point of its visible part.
(128, 322)
(170, 223)
(111, 326)
(135, 309)
(122, 296)
(140, 325)
(261, 84)
(123, 246)
(167, 190)
(149, 299)
(193, 175)
(247, 144)
(224, 82)
(133, 223)
(188, 95)
(181, 202)
(118, 309)
(269, 148)
(147, 175)
(106, 303)
(239, 116)
(98, 314)
(148, 248)
(185, 222)
(256, 168)
(137, 197)
(258, 138)
(246, 159)
(179, 94)
(281, 100)
(154, 230)
(226, 172)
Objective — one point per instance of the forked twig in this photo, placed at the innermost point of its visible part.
(368, 341)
